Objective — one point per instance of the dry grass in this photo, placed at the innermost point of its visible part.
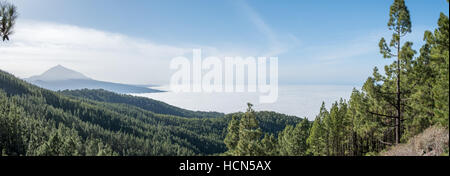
(432, 142)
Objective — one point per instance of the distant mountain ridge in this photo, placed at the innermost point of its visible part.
(59, 73)
(140, 102)
(61, 78)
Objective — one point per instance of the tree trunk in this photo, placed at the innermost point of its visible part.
(398, 119)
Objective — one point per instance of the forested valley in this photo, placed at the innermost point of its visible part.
(410, 96)
(35, 121)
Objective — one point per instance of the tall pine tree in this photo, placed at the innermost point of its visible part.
(232, 138)
(317, 137)
(392, 92)
(249, 135)
(439, 42)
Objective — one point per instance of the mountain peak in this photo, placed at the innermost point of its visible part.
(62, 78)
(59, 66)
(58, 73)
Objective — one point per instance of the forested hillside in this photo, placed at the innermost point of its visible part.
(35, 121)
(140, 102)
(411, 96)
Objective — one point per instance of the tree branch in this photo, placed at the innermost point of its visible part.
(373, 113)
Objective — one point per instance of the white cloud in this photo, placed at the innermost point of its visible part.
(37, 46)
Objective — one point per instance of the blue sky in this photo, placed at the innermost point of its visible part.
(317, 41)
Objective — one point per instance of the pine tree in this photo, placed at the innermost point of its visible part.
(439, 42)
(422, 103)
(232, 138)
(249, 135)
(364, 131)
(428, 103)
(53, 147)
(316, 139)
(293, 140)
(392, 93)
(8, 16)
(335, 125)
(105, 150)
(332, 127)
(285, 141)
(269, 145)
(300, 137)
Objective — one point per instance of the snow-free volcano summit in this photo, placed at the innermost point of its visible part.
(62, 78)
